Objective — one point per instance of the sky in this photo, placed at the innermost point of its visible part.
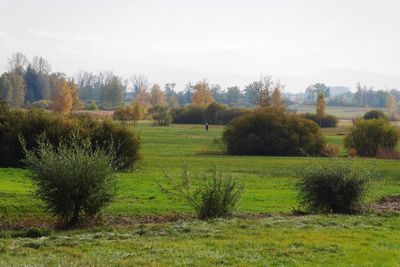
(227, 42)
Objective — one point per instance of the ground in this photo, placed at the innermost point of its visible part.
(264, 230)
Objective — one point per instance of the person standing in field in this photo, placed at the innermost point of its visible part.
(206, 126)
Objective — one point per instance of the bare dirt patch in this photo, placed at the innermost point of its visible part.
(388, 204)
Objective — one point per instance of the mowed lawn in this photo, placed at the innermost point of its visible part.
(276, 239)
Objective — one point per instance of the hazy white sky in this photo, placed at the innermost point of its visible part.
(299, 42)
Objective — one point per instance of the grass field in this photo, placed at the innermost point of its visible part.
(282, 239)
(340, 112)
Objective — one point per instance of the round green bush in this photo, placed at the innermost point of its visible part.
(334, 187)
(72, 178)
(366, 137)
(375, 114)
(31, 124)
(272, 132)
(326, 122)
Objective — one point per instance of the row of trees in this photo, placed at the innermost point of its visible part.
(364, 96)
(29, 81)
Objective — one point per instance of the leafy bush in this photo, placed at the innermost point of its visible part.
(326, 122)
(33, 123)
(330, 151)
(271, 132)
(41, 104)
(190, 115)
(160, 115)
(92, 105)
(336, 187)
(375, 114)
(367, 136)
(214, 114)
(217, 197)
(125, 143)
(72, 178)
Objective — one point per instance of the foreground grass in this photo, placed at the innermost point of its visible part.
(326, 240)
(279, 240)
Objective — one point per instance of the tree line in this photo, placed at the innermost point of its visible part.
(31, 83)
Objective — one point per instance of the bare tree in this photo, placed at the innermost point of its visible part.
(266, 86)
(41, 65)
(139, 83)
(17, 62)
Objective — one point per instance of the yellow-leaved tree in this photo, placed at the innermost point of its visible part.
(202, 94)
(276, 98)
(62, 99)
(157, 96)
(320, 107)
(77, 104)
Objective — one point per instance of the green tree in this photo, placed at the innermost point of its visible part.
(33, 85)
(6, 90)
(320, 107)
(17, 82)
(113, 92)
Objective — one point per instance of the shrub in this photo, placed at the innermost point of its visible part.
(214, 114)
(41, 104)
(216, 197)
(125, 143)
(32, 123)
(190, 115)
(336, 187)
(160, 115)
(72, 178)
(367, 136)
(29, 124)
(271, 132)
(330, 150)
(124, 113)
(92, 105)
(375, 114)
(326, 122)
(387, 154)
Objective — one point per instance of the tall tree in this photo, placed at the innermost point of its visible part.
(113, 91)
(252, 93)
(62, 100)
(314, 90)
(33, 85)
(276, 98)
(265, 87)
(157, 96)
(17, 82)
(6, 90)
(139, 83)
(202, 94)
(234, 96)
(88, 86)
(77, 104)
(41, 65)
(320, 106)
(18, 63)
(391, 106)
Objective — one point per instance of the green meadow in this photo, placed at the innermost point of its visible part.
(264, 230)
